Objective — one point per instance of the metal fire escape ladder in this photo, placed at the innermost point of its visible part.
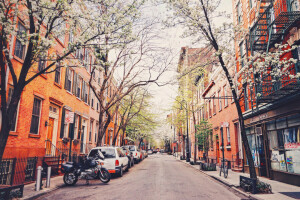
(273, 22)
(259, 33)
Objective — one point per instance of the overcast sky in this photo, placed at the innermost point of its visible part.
(164, 96)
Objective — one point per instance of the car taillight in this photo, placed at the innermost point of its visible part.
(135, 154)
(117, 163)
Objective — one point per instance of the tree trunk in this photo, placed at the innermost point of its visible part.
(241, 121)
(4, 134)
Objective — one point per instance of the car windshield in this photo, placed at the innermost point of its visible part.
(93, 153)
(108, 153)
(132, 148)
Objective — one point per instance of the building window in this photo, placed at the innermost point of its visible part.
(42, 64)
(220, 100)
(57, 74)
(15, 118)
(92, 100)
(239, 12)
(35, 118)
(225, 97)
(215, 105)
(96, 129)
(228, 136)
(84, 95)
(75, 126)
(60, 26)
(91, 130)
(20, 46)
(6, 171)
(86, 60)
(79, 82)
(69, 76)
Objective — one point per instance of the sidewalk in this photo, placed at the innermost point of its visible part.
(280, 190)
(30, 193)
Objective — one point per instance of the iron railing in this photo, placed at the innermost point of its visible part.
(17, 171)
(237, 162)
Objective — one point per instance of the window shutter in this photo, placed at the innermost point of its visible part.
(89, 100)
(79, 128)
(75, 84)
(62, 126)
(83, 90)
(66, 78)
(71, 129)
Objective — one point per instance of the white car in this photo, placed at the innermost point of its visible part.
(135, 152)
(116, 162)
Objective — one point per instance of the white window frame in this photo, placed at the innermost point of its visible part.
(228, 135)
(40, 116)
(220, 100)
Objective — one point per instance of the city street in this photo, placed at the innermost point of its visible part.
(157, 177)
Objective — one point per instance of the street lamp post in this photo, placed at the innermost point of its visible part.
(187, 132)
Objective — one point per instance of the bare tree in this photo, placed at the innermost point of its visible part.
(198, 18)
(38, 26)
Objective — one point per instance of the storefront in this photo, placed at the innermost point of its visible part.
(274, 141)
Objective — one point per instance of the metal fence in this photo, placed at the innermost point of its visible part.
(16, 171)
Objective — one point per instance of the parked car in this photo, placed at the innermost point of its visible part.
(145, 155)
(141, 155)
(116, 159)
(150, 152)
(129, 154)
(136, 154)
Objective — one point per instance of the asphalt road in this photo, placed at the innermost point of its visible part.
(157, 177)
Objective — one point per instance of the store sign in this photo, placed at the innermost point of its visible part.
(292, 145)
(69, 117)
(259, 117)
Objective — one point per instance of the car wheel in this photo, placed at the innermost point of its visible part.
(121, 172)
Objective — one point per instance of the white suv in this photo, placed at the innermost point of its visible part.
(135, 152)
(116, 160)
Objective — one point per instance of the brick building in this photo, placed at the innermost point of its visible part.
(272, 117)
(223, 117)
(55, 106)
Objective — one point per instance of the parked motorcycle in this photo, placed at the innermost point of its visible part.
(89, 169)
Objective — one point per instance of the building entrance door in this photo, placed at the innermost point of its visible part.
(49, 136)
(262, 157)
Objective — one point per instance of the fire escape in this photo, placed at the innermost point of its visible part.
(274, 21)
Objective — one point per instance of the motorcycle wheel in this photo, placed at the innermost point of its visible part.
(70, 179)
(105, 177)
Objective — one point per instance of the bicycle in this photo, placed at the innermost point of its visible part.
(224, 169)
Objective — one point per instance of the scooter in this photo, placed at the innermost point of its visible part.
(89, 169)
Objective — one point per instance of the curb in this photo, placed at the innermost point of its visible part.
(30, 197)
(224, 183)
(44, 191)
